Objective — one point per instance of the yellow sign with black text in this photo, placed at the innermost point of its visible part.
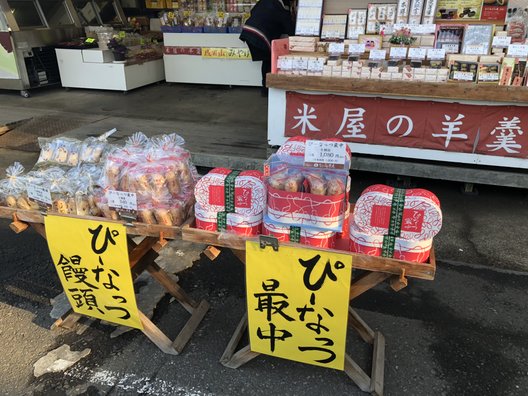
(297, 302)
(226, 53)
(91, 259)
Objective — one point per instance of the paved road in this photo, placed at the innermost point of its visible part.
(464, 333)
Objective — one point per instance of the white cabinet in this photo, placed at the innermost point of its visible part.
(196, 69)
(76, 72)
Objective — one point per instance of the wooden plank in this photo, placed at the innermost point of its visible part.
(234, 341)
(360, 261)
(68, 322)
(241, 357)
(154, 230)
(363, 329)
(172, 287)
(190, 327)
(140, 250)
(378, 365)
(410, 89)
(366, 282)
(211, 252)
(40, 229)
(357, 375)
(155, 335)
(240, 254)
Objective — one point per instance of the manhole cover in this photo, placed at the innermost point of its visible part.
(25, 136)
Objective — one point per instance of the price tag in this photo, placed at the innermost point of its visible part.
(378, 54)
(398, 52)
(450, 48)
(436, 53)
(518, 50)
(417, 53)
(122, 200)
(122, 34)
(501, 41)
(489, 77)
(336, 48)
(478, 49)
(220, 14)
(39, 194)
(89, 40)
(463, 76)
(324, 154)
(356, 48)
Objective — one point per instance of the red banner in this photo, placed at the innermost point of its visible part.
(490, 130)
(168, 50)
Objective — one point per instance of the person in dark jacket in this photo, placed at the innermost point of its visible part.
(269, 20)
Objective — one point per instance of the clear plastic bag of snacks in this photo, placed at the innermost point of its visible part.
(13, 188)
(59, 151)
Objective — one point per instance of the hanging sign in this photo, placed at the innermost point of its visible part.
(91, 259)
(298, 303)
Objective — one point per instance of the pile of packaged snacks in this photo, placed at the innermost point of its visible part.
(305, 204)
(79, 174)
(159, 171)
(228, 200)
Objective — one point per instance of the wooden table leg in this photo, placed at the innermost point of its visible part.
(233, 359)
(366, 282)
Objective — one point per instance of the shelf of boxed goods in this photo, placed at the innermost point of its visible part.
(411, 89)
(471, 165)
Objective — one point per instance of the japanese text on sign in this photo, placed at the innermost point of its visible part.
(91, 259)
(319, 154)
(39, 194)
(298, 303)
(488, 130)
(122, 200)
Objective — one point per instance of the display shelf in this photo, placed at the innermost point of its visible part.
(449, 91)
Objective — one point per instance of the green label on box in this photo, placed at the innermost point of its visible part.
(89, 40)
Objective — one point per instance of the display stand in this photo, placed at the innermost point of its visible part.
(141, 258)
(378, 269)
(79, 70)
(196, 69)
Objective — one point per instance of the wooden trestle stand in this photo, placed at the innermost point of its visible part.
(141, 258)
(377, 270)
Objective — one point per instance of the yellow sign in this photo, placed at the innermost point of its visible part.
(226, 53)
(91, 258)
(298, 303)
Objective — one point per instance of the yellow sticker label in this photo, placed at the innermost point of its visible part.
(91, 259)
(122, 34)
(297, 303)
(89, 40)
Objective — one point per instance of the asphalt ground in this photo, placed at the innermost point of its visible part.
(465, 333)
